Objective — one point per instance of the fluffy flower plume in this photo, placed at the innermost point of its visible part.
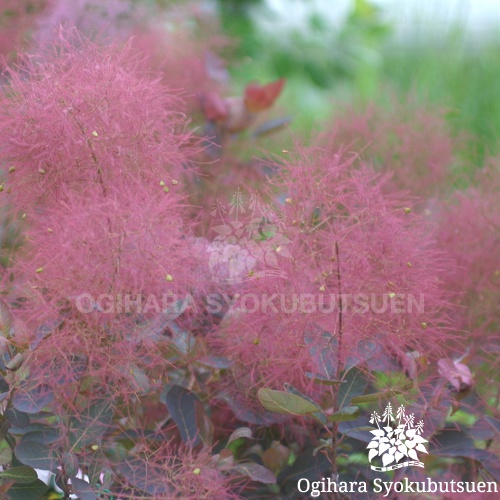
(469, 226)
(346, 237)
(96, 158)
(85, 115)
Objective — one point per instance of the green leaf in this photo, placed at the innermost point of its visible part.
(137, 378)
(319, 379)
(256, 472)
(308, 466)
(370, 398)
(183, 406)
(95, 465)
(345, 414)
(17, 418)
(47, 435)
(32, 491)
(5, 453)
(36, 455)
(88, 428)
(4, 429)
(16, 362)
(70, 464)
(451, 442)
(6, 319)
(145, 476)
(217, 362)
(286, 402)
(317, 415)
(354, 385)
(44, 330)
(379, 396)
(82, 489)
(4, 386)
(32, 399)
(494, 423)
(20, 474)
(241, 432)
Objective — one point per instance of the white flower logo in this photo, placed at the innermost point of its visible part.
(246, 249)
(397, 440)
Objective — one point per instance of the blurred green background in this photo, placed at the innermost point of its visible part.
(444, 54)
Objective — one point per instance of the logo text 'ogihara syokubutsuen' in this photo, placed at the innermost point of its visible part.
(396, 440)
(249, 242)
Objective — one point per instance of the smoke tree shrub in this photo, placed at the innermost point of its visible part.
(362, 288)
(469, 232)
(119, 377)
(97, 157)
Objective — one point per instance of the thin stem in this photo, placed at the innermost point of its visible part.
(334, 429)
(341, 321)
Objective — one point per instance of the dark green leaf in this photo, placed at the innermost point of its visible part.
(450, 442)
(182, 340)
(88, 428)
(43, 331)
(32, 491)
(4, 386)
(20, 474)
(82, 489)
(455, 443)
(5, 453)
(354, 385)
(365, 350)
(95, 465)
(345, 414)
(182, 405)
(16, 362)
(494, 423)
(315, 377)
(357, 429)
(148, 477)
(32, 399)
(6, 319)
(255, 472)
(286, 402)
(375, 396)
(48, 435)
(36, 455)
(204, 425)
(70, 464)
(137, 378)
(250, 416)
(17, 418)
(4, 429)
(308, 466)
(241, 432)
(217, 362)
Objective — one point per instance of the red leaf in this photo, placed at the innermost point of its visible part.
(261, 97)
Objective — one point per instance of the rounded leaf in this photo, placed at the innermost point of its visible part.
(21, 474)
(36, 455)
(6, 319)
(32, 400)
(286, 402)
